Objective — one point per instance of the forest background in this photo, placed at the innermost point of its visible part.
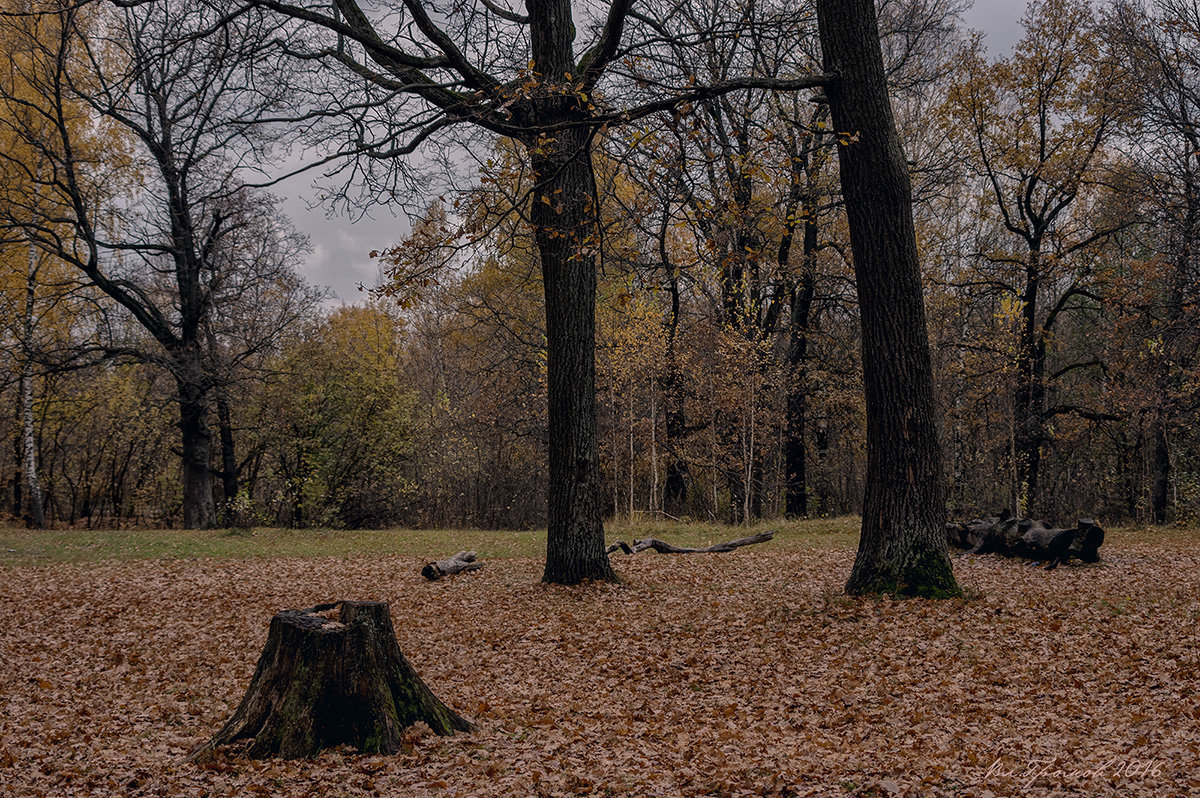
(1057, 214)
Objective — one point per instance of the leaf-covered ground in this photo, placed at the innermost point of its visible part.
(736, 674)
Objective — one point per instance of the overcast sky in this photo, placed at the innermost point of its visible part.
(1000, 20)
(340, 261)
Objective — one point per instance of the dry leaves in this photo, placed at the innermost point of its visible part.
(740, 674)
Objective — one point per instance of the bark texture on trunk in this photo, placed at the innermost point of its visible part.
(796, 444)
(902, 550)
(675, 483)
(563, 217)
(1028, 538)
(563, 213)
(35, 513)
(199, 509)
(332, 675)
(1029, 402)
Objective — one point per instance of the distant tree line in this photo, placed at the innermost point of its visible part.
(163, 362)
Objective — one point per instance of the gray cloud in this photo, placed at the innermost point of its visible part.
(1000, 21)
(341, 247)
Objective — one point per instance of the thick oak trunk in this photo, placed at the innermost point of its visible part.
(564, 228)
(902, 549)
(564, 216)
(332, 675)
(199, 509)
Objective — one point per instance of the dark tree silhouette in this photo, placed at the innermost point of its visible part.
(902, 549)
(141, 126)
(480, 66)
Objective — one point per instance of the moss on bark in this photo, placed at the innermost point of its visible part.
(326, 680)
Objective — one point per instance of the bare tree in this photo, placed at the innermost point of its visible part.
(141, 127)
(903, 545)
(1036, 129)
(425, 68)
(751, 175)
(1160, 42)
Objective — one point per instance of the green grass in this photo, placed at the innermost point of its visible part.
(28, 547)
(812, 533)
(25, 547)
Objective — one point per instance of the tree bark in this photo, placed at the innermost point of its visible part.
(795, 446)
(327, 679)
(35, 514)
(675, 488)
(803, 198)
(1028, 538)
(563, 215)
(902, 549)
(1160, 493)
(1170, 358)
(1029, 401)
(199, 509)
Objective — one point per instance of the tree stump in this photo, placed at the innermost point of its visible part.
(332, 675)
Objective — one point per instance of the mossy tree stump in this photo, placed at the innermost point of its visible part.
(332, 675)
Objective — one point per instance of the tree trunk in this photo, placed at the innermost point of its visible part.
(564, 217)
(675, 479)
(902, 549)
(1028, 404)
(675, 489)
(795, 453)
(229, 466)
(199, 510)
(737, 495)
(1031, 539)
(330, 678)
(15, 484)
(1161, 472)
(36, 517)
(564, 228)
(1168, 384)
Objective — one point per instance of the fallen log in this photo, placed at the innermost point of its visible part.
(332, 675)
(1088, 541)
(463, 561)
(1028, 538)
(662, 547)
(968, 534)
